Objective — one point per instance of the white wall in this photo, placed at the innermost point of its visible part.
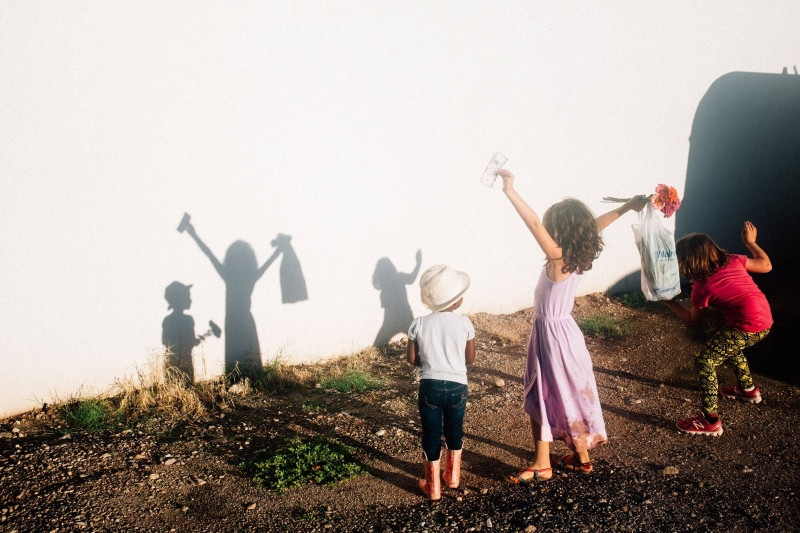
(360, 128)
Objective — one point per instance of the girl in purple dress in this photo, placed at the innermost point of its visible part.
(560, 391)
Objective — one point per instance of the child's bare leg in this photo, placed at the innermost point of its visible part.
(542, 451)
(541, 468)
(583, 456)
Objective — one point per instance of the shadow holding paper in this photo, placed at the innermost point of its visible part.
(240, 271)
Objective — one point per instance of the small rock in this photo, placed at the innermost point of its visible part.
(380, 433)
(489, 522)
(747, 470)
(184, 508)
(251, 506)
(105, 456)
(170, 461)
(499, 382)
(483, 490)
(670, 471)
(154, 477)
(530, 529)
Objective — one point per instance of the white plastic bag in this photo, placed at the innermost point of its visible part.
(656, 244)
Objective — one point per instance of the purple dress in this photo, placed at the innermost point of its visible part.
(560, 389)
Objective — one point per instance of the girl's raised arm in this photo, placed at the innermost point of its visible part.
(550, 248)
(636, 203)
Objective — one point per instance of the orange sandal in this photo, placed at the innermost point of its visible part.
(571, 462)
(517, 478)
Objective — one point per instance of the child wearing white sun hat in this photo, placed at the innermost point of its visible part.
(442, 344)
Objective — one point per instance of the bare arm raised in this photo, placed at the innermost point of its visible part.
(760, 262)
(550, 248)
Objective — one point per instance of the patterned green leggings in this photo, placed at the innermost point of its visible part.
(725, 345)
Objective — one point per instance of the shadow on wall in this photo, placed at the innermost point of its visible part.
(397, 315)
(744, 164)
(240, 272)
(177, 330)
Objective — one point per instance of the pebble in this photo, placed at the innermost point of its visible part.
(380, 433)
(499, 382)
(670, 470)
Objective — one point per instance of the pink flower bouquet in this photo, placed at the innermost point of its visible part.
(665, 200)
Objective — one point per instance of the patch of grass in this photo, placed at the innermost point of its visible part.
(635, 300)
(351, 381)
(89, 414)
(321, 460)
(603, 326)
(312, 407)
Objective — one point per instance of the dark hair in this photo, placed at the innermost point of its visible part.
(575, 229)
(699, 256)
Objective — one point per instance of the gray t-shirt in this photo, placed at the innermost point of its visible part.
(442, 340)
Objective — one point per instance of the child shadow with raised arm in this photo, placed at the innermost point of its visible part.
(397, 315)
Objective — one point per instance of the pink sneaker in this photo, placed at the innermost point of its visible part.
(698, 425)
(738, 393)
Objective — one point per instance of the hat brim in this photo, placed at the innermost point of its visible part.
(464, 282)
(448, 303)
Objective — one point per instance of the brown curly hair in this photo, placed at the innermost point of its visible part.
(575, 229)
(699, 256)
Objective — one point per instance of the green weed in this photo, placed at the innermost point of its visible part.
(603, 326)
(351, 381)
(321, 460)
(635, 300)
(91, 415)
(312, 407)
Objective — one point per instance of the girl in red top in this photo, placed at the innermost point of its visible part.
(723, 281)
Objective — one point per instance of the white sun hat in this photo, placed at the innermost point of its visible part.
(441, 286)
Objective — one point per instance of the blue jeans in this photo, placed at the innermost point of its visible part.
(441, 409)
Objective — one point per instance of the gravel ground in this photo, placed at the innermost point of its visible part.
(649, 477)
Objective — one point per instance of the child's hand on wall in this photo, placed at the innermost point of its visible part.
(749, 232)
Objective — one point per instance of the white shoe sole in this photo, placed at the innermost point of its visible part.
(717, 433)
(745, 399)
